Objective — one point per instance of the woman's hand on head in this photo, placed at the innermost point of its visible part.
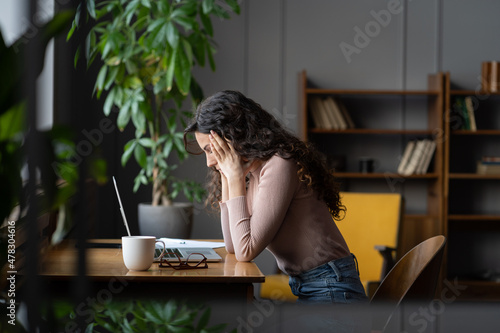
(229, 162)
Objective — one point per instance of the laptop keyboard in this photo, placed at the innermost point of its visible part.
(169, 253)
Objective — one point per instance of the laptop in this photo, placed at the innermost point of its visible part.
(184, 252)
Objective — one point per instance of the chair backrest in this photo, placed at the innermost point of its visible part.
(413, 278)
(371, 219)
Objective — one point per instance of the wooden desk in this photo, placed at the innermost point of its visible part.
(226, 280)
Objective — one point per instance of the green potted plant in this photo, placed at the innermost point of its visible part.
(147, 50)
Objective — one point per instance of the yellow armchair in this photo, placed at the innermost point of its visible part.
(371, 229)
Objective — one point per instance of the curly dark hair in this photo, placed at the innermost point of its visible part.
(256, 134)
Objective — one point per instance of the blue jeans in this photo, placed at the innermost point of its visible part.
(336, 281)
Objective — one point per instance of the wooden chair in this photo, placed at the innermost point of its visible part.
(413, 279)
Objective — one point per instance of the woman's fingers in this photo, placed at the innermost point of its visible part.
(220, 145)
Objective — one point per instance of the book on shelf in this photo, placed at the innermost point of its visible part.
(488, 168)
(406, 156)
(470, 113)
(426, 159)
(464, 109)
(416, 157)
(490, 159)
(488, 165)
(335, 112)
(345, 114)
(318, 117)
(328, 113)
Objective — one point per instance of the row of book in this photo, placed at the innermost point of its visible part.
(329, 113)
(416, 157)
(464, 109)
(488, 165)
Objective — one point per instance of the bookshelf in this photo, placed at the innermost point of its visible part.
(414, 114)
(472, 210)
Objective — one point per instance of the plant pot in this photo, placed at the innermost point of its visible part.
(174, 221)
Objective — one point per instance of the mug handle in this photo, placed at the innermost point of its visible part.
(162, 252)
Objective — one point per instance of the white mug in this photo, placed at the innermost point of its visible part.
(139, 251)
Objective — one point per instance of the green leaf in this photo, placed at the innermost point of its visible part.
(91, 50)
(155, 24)
(107, 45)
(183, 71)
(128, 150)
(176, 329)
(233, 4)
(198, 45)
(147, 142)
(137, 182)
(71, 30)
(167, 149)
(101, 77)
(110, 101)
(210, 53)
(172, 34)
(11, 123)
(132, 82)
(131, 67)
(161, 163)
(130, 10)
(187, 8)
(138, 118)
(196, 92)
(169, 78)
(124, 115)
(188, 50)
(77, 56)
(208, 6)
(91, 8)
(140, 156)
(111, 77)
(207, 24)
(221, 12)
(187, 23)
(205, 317)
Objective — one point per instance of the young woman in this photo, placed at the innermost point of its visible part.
(274, 191)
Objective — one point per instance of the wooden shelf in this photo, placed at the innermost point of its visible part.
(473, 217)
(380, 115)
(473, 93)
(475, 176)
(371, 131)
(477, 290)
(318, 91)
(478, 132)
(375, 175)
(478, 196)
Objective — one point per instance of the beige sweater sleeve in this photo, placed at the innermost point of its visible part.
(251, 229)
(225, 228)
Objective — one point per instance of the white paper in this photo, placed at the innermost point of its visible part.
(180, 243)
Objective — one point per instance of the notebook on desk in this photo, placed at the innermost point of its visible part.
(184, 252)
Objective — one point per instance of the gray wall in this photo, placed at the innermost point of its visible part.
(262, 51)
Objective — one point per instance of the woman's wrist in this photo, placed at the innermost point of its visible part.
(237, 187)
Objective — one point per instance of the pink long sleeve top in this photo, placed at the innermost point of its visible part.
(281, 214)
